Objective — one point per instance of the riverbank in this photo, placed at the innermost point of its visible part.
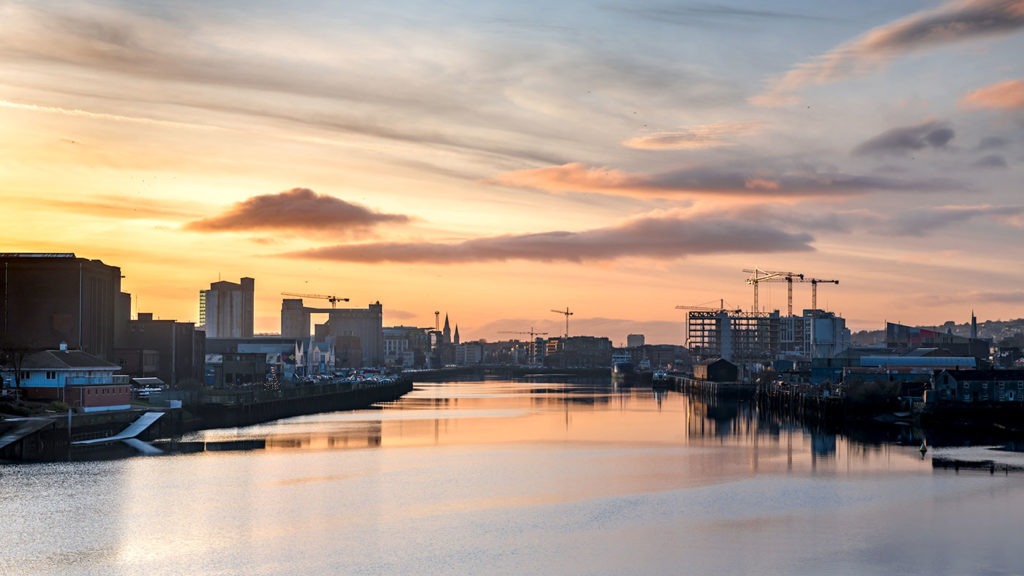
(51, 437)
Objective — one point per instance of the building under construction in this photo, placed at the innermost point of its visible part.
(747, 338)
(758, 337)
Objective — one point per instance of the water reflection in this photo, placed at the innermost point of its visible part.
(529, 412)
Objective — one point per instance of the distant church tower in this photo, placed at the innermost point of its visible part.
(455, 339)
(446, 332)
(974, 325)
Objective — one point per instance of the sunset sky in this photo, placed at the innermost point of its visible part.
(497, 160)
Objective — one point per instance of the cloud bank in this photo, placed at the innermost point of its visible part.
(295, 209)
(657, 236)
(800, 181)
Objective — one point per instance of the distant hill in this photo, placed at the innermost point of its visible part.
(1001, 332)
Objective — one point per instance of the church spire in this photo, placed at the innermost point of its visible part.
(456, 337)
(446, 333)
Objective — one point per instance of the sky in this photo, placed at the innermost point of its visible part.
(498, 161)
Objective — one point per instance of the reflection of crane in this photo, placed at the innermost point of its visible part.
(533, 341)
(332, 299)
(567, 313)
(814, 290)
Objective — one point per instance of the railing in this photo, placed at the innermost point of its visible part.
(119, 379)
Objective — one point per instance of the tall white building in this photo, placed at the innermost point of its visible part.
(227, 309)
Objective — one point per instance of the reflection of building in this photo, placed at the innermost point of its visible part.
(46, 299)
(227, 309)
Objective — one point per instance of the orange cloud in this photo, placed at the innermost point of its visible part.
(573, 176)
(711, 180)
(698, 137)
(295, 209)
(652, 236)
(1007, 95)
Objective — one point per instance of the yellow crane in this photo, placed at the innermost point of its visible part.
(330, 298)
(766, 276)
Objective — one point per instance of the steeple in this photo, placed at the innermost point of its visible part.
(974, 325)
(446, 332)
(455, 339)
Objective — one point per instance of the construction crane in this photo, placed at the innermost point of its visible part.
(759, 276)
(814, 290)
(567, 313)
(721, 308)
(533, 341)
(533, 333)
(766, 276)
(332, 299)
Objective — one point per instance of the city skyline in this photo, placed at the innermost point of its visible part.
(495, 162)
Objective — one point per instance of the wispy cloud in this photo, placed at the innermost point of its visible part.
(695, 138)
(954, 22)
(905, 139)
(112, 206)
(799, 181)
(295, 209)
(1008, 95)
(654, 236)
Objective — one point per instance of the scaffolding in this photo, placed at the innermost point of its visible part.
(741, 338)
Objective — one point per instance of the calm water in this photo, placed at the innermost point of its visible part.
(501, 477)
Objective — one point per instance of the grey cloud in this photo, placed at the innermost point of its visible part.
(993, 143)
(653, 237)
(935, 219)
(295, 209)
(990, 161)
(905, 139)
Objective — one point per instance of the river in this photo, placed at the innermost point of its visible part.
(503, 477)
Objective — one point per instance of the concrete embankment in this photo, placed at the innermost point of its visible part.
(50, 437)
(233, 415)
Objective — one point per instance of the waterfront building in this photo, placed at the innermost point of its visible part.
(747, 339)
(46, 299)
(469, 354)
(406, 346)
(81, 380)
(227, 309)
(716, 370)
(357, 334)
(979, 386)
(578, 352)
(179, 350)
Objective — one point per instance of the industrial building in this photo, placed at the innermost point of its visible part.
(227, 309)
(49, 299)
(746, 338)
